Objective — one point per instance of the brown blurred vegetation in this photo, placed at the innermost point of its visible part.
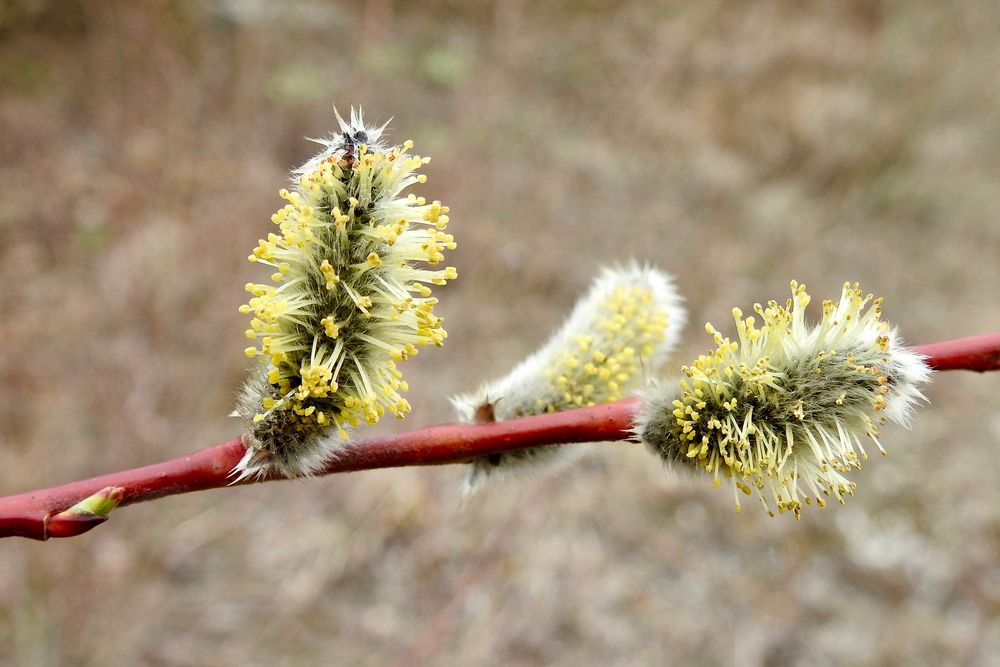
(736, 144)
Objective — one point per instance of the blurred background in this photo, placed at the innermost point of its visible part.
(736, 144)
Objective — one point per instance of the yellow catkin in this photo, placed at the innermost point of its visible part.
(351, 299)
(782, 410)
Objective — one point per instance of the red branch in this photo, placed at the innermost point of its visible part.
(37, 514)
(42, 514)
(972, 353)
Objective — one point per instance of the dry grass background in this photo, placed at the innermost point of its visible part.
(737, 144)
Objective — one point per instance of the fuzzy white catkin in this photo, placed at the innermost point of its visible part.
(783, 411)
(350, 297)
(620, 332)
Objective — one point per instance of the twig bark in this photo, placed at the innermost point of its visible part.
(48, 512)
(972, 353)
(39, 514)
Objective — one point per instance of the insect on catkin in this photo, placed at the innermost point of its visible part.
(620, 331)
(783, 412)
(349, 298)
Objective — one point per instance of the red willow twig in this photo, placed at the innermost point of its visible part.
(43, 514)
(972, 353)
(40, 514)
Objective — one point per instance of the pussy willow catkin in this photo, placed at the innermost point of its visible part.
(621, 330)
(349, 298)
(784, 411)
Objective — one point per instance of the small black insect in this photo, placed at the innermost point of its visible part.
(351, 142)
